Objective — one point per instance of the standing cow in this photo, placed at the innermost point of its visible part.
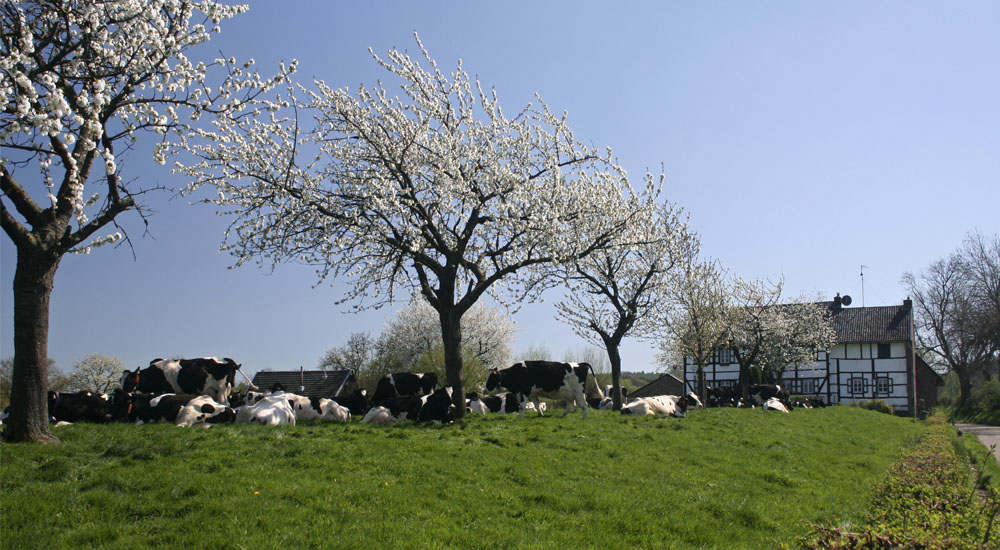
(209, 376)
(531, 380)
(404, 384)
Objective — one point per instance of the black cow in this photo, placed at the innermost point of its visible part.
(81, 406)
(204, 376)
(530, 380)
(356, 402)
(436, 407)
(401, 384)
(723, 396)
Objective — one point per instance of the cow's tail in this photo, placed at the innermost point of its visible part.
(597, 384)
(250, 383)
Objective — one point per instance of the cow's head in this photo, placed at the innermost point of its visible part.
(493, 380)
(130, 379)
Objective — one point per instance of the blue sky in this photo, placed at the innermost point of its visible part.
(803, 138)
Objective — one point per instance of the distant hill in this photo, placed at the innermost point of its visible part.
(636, 380)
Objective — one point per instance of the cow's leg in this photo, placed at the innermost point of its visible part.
(522, 401)
(538, 406)
(570, 405)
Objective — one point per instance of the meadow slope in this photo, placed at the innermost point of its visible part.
(720, 478)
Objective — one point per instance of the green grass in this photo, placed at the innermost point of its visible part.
(720, 478)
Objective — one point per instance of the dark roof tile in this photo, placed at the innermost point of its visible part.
(316, 383)
(881, 324)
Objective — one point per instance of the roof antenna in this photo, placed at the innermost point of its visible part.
(863, 266)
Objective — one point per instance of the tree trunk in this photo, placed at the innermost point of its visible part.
(702, 390)
(29, 411)
(451, 335)
(615, 356)
(964, 385)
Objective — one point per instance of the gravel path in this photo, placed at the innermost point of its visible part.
(988, 435)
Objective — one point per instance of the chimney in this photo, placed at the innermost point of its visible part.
(837, 301)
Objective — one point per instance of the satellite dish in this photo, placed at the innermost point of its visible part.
(846, 300)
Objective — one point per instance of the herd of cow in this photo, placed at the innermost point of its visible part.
(187, 392)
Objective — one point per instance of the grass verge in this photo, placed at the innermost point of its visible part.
(929, 499)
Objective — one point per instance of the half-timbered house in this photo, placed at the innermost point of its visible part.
(873, 358)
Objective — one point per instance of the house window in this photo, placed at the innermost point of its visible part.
(725, 356)
(725, 383)
(883, 384)
(793, 385)
(884, 351)
(809, 385)
(857, 385)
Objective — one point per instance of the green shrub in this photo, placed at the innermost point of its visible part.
(873, 405)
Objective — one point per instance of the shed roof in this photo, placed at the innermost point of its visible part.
(310, 383)
(667, 384)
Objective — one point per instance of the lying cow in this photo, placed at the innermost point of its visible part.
(775, 404)
(759, 393)
(267, 409)
(81, 406)
(502, 403)
(666, 405)
(205, 376)
(436, 407)
(403, 384)
(531, 380)
(356, 402)
(723, 396)
(312, 408)
(178, 409)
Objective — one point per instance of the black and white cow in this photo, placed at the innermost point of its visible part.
(402, 384)
(78, 406)
(209, 376)
(666, 405)
(502, 403)
(759, 393)
(775, 404)
(531, 380)
(313, 408)
(436, 407)
(178, 409)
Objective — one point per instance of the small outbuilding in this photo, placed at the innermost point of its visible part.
(328, 384)
(667, 384)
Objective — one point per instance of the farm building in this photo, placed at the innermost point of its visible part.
(309, 383)
(873, 359)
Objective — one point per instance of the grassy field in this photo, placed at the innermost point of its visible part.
(720, 478)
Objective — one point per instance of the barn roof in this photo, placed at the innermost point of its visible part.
(872, 324)
(310, 383)
(667, 384)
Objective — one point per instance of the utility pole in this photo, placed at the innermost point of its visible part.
(863, 266)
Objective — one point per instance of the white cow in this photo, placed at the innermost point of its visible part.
(775, 404)
(270, 410)
(667, 405)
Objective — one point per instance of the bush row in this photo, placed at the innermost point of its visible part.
(929, 499)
